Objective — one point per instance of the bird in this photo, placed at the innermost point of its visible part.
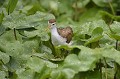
(60, 36)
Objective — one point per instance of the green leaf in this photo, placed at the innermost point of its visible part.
(21, 21)
(14, 64)
(87, 28)
(25, 74)
(109, 16)
(40, 32)
(81, 3)
(20, 53)
(14, 49)
(31, 46)
(62, 74)
(54, 5)
(4, 57)
(115, 27)
(101, 3)
(110, 52)
(99, 23)
(35, 64)
(2, 29)
(1, 17)
(86, 60)
(65, 7)
(115, 36)
(44, 74)
(11, 6)
(110, 73)
(32, 8)
(97, 31)
(9, 36)
(118, 71)
(57, 74)
(40, 66)
(96, 35)
(88, 15)
(76, 62)
(46, 49)
(89, 74)
(37, 21)
(3, 75)
(31, 34)
(15, 20)
(2, 2)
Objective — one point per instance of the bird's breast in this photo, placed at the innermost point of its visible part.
(56, 38)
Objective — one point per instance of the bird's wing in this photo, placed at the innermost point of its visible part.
(66, 33)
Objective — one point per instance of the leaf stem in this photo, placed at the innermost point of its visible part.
(110, 27)
(76, 11)
(116, 47)
(112, 9)
(105, 68)
(113, 12)
(15, 34)
(100, 69)
(8, 11)
(115, 64)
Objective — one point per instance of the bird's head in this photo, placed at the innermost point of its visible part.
(52, 23)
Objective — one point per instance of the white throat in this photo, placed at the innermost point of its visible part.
(54, 31)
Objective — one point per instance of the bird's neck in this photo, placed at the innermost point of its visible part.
(54, 30)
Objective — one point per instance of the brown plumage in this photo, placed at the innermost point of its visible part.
(66, 33)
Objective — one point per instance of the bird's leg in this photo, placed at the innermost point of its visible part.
(55, 50)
